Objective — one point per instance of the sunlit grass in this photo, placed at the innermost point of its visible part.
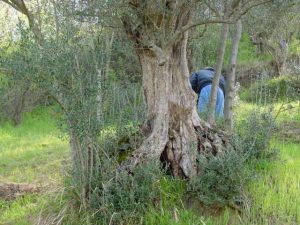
(30, 153)
(275, 197)
(282, 111)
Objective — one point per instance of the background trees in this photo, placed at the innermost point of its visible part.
(274, 30)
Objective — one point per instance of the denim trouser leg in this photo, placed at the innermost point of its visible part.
(204, 100)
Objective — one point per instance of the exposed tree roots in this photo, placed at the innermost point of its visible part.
(209, 140)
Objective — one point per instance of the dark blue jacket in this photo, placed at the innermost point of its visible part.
(203, 78)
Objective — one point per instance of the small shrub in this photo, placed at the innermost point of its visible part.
(221, 179)
(254, 135)
(125, 197)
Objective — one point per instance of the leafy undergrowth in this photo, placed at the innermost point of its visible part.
(274, 197)
(34, 153)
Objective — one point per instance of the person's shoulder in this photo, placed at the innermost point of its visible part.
(206, 73)
(203, 71)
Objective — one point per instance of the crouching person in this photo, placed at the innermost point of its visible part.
(201, 82)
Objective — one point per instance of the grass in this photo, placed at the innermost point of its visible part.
(30, 153)
(268, 91)
(34, 152)
(275, 193)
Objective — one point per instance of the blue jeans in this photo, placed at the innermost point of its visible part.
(204, 97)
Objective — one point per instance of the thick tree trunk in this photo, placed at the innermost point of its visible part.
(216, 80)
(176, 133)
(171, 111)
(230, 81)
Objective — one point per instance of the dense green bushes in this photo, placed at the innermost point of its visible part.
(267, 91)
(254, 135)
(221, 180)
(223, 177)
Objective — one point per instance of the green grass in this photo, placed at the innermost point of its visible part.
(34, 152)
(31, 153)
(275, 193)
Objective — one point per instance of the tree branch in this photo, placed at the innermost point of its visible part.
(20, 6)
(192, 24)
(244, 11)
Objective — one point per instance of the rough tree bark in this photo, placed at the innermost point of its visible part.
(171, 104)
(230, 81)
(216, 80)
(159, 30)
(282, 56)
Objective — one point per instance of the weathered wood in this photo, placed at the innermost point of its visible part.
(11, 191)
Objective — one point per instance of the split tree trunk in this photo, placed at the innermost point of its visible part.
(230, 81)
(282, 57)
(171, 111)
(279, 53)
(176, 133)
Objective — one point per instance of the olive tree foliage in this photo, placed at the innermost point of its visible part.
(67, 59)
(272, 28)
(17, 94)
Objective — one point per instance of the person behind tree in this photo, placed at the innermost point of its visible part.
(201, 82)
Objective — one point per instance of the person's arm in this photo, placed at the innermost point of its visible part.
(194, 82)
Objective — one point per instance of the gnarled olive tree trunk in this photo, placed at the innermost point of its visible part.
(175, 131)
(171, 111)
